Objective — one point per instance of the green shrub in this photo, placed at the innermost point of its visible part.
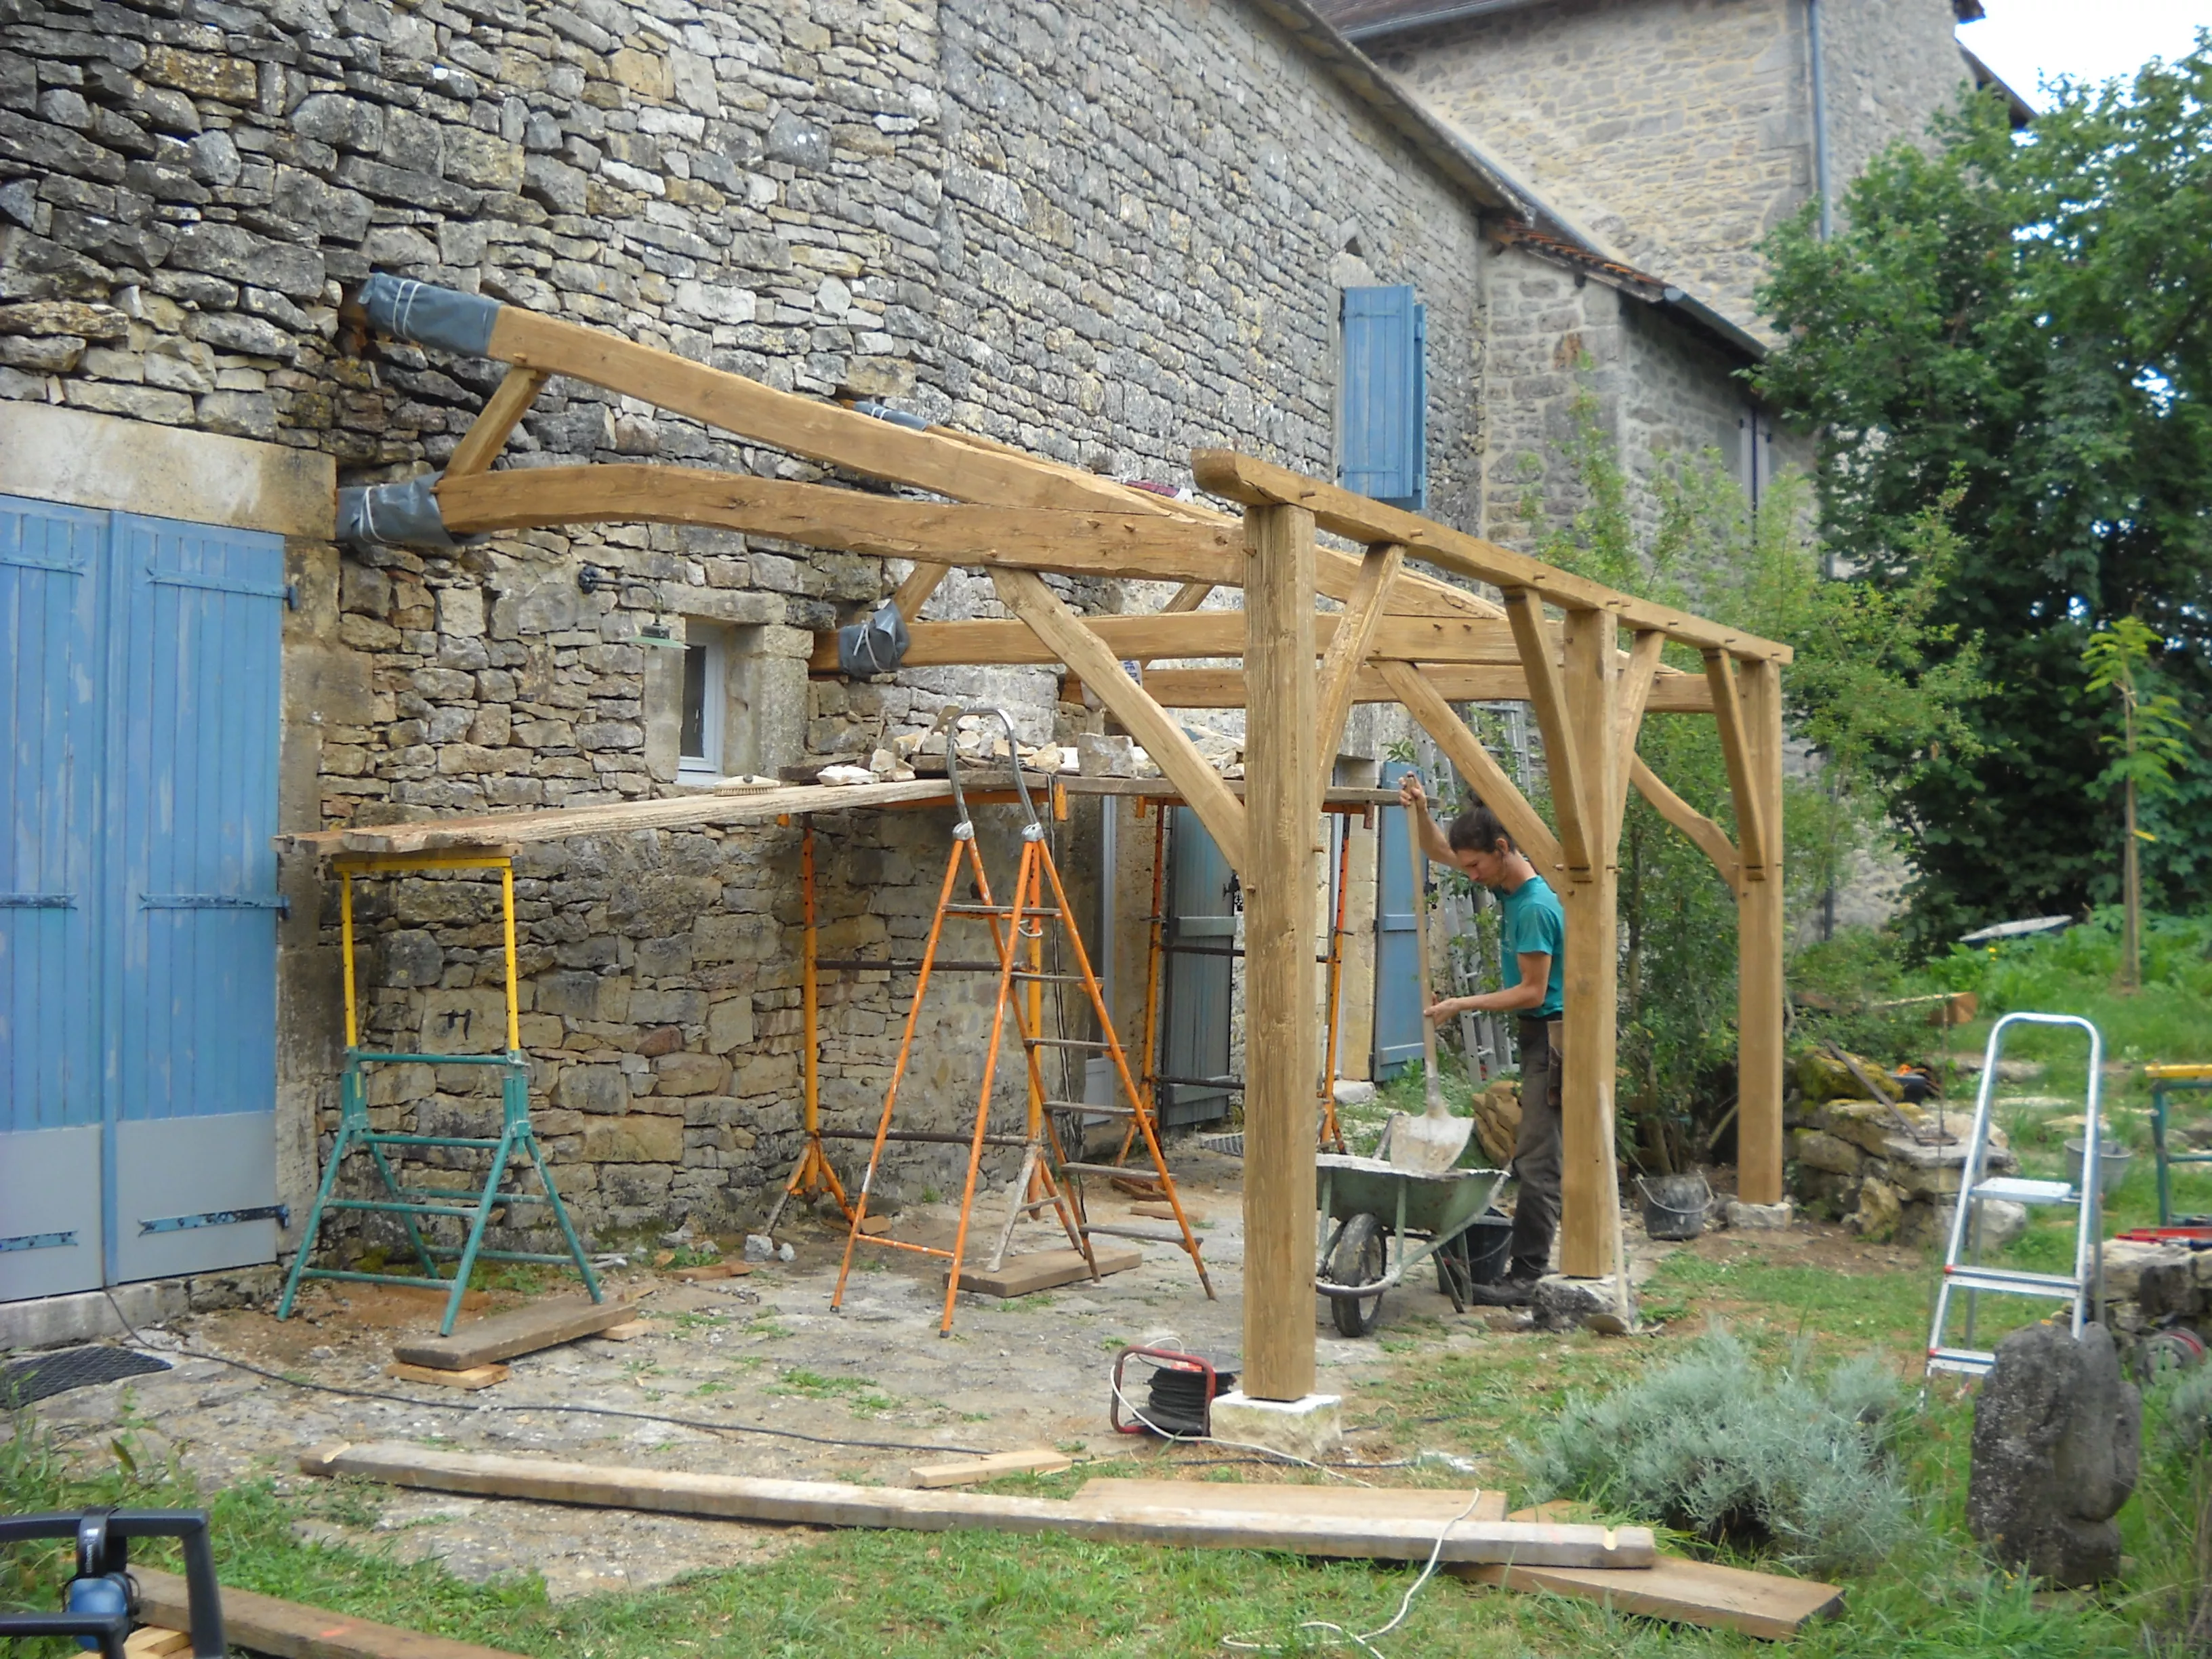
(1737, 1452)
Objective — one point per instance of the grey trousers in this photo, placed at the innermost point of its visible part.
(1536, 1159)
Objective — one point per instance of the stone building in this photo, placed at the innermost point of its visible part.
(1109, 233)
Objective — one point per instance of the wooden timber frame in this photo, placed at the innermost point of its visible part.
(1422, 638)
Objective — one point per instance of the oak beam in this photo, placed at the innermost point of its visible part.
(1223, 687)
(1709, 836)
(1465, 751)
(502, 412)
(1743, 771)
(914, 592)
(1342, 513)
(1636, 682)
(1758, 962)
(1223, 816)
(1590, 1194)
(1563, 759)
(1348, 648)
(1139, 546)
(1279, 993)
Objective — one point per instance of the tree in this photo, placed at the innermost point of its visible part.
(2151, 745)
(2014, 331)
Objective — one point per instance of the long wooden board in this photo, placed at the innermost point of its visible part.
(285, 1629)
(1045, 1270)
(1107, 1495)
(835, 1504)
(973, 1471)
(1686, 1591)
(519, 1330)
(1672, 693)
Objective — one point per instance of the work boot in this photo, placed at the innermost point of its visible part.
(1508, 1292)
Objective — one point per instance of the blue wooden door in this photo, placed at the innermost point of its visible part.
(52, 562)
(138, 988)
(1398, 1001)
(1196, 994)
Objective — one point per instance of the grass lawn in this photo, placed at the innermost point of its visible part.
(901, 1593)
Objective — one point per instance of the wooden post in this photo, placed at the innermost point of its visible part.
(1589, 1196)
(1282, 815)
(1759, 950)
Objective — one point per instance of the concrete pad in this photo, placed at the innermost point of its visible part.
(51, 1321)
(1311, 1428)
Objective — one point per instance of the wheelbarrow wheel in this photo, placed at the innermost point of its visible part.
(1361, 1257)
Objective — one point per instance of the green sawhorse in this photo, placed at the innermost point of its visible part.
(517, 1141)
(2165, 1079)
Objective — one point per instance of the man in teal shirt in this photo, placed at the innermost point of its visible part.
(1535, 977)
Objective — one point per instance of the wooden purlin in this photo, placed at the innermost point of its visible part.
(1672, 693)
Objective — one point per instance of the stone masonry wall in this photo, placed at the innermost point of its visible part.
(1106, 232)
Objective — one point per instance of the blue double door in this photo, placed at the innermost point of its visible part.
(139, 700)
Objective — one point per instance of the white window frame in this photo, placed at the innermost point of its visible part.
(706, 767)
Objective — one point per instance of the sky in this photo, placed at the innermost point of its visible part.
(2026, 41)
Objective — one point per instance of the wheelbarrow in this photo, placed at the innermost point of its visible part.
(1367, 1203)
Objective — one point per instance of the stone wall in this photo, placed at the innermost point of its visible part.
(1109, 233)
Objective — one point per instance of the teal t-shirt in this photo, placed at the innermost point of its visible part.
(1535, 925)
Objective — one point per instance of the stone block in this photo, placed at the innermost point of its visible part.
(600, 1090)
(1760, 1218)
(1816, 1149)
(690, 1074)
(577, 994)
(635, 1138)
(730, 1025)
(1880, 1214)
(1311, 1428)
(471, 1022)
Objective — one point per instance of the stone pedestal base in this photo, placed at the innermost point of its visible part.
(1769, 1218)
(1311, 1428)
(1562, 1303)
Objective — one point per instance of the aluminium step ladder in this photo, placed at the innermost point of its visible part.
(1965, 1274)
(1018, 937)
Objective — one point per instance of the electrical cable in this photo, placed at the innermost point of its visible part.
(1136, 1416)
(583, 1411)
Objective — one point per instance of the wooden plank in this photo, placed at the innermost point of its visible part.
(1348, 641)
(502, 412)
(1360, 519)
(1636, 682)
(1562, 751)
(1465, 751)
(836, 1503)
(1281, 1047)
(1684, 1591)
(1591, 1244)
(152, 1642)
(286, 1630)
(1171, 748)
(713, 1270)
(1759, 954)
(521, 1330)
(1751, 843)
(1198, 634)
(618, 817)
(475, 1377)
(1139, 546)
(1107, 1495)
(629, 1331)
(1709, 837)
(1672, 693)
(799, 425)
(974, 1471)
(1045, 1270)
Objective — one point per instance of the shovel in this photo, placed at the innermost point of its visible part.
(1432, 1143)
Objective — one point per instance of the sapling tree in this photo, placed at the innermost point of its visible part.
(2151, 743)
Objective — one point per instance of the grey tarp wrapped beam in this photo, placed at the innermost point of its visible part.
(874, 647)
(395, 516)
(430, 315)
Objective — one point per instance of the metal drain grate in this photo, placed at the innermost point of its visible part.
(27, 1380)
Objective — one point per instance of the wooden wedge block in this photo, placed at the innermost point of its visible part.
(1675, 1588)
(836, 1503)
(477, 1376)
(1042, 1270)
(972, 1471)
(1107, 1495)
(519, 1330)
(285, 1630)
(152, 1642)
(627, 1331)
(714, 1270)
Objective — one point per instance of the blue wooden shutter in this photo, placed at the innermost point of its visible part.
(193, 742)
(1383, 411)
(51, 670)
(1399, 993)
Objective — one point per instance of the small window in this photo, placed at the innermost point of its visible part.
(702, 713)
(1383, 414)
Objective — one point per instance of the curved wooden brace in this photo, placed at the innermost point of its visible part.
(1465, 751)
(1710, 838)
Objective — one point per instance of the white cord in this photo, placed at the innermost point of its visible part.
(1137, 1416)
(1338, 1635)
